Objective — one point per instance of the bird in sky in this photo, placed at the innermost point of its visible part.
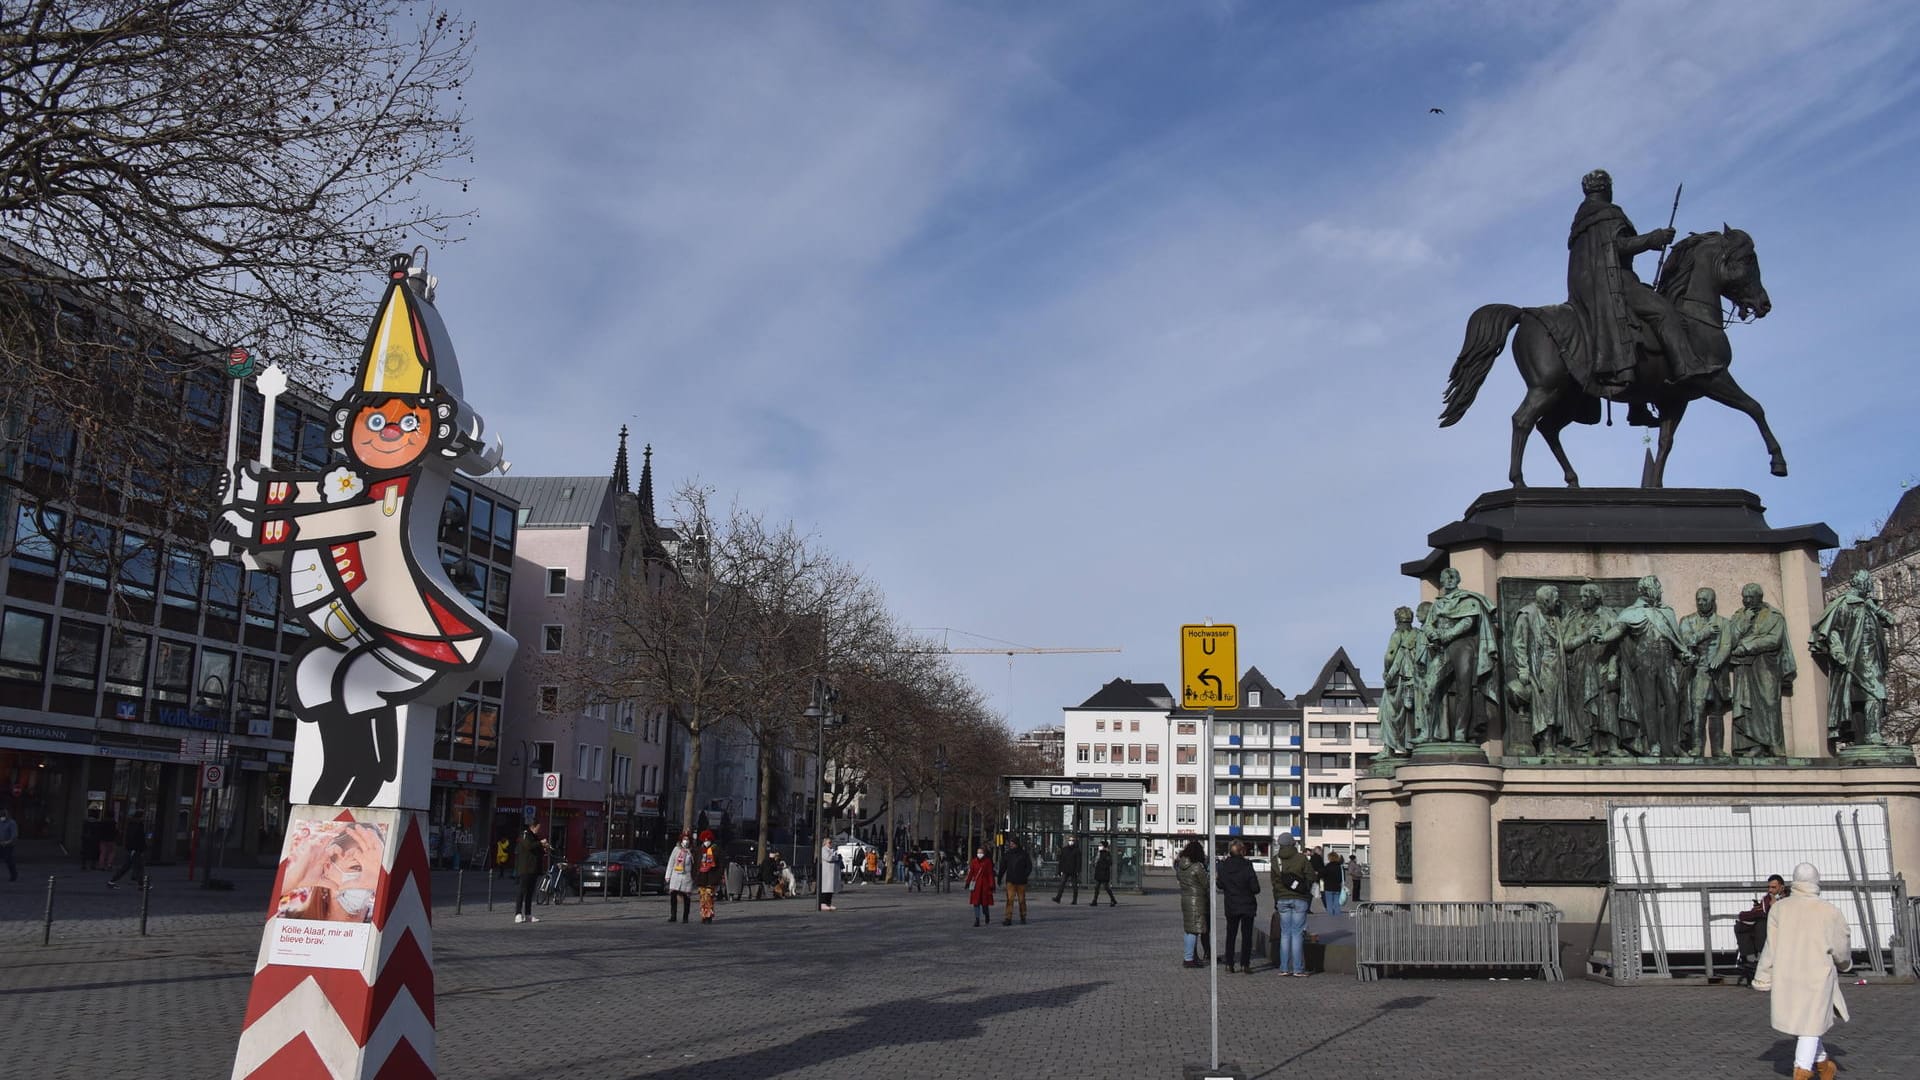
(1438, 111)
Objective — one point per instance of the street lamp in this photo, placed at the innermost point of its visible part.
(819, 707)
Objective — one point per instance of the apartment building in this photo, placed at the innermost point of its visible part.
(1341, 713)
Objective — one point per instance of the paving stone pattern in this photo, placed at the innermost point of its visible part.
(893, 984)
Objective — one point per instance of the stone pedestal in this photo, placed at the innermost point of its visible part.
(1451, 808)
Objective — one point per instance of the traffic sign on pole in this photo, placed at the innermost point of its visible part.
(550, 785)
(212, 775)
(1209, 667)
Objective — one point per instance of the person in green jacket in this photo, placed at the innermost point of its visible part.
(1191, 871)
(1292, 879)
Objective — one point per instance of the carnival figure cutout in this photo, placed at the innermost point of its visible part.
(357, 549)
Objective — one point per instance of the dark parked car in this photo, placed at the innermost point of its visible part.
(632, 872)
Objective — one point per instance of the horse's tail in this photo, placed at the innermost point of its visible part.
(1487, 334)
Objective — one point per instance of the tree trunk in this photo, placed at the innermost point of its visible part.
(765, 755)
(693, 775)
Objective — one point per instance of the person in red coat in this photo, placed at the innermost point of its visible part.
(980, 887)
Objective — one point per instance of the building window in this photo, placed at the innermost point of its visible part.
(1185, 814)
(174, 668)
(1153, 785)
(1186, 785)
(183, 579)
(1185, 754)
(549, 699)
(1186, 727)
(1099, 725)
(1153, 753)
(76, 654)
(1119, 754)
(1133, 753)
(581, 756)
(127, 661)
(23, 644)
(1133, 725)
(33, 546)
(552, 638)
(1152, 814)
(1100, 753)
(556, 581)
(1253, 699)
(542, 757)
(1082, 752)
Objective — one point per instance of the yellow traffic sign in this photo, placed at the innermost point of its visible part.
(1209, 667)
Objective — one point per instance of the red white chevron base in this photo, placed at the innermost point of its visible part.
(373, 1022)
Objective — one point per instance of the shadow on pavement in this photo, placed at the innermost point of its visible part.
(904, 1022)
(1381, 1010)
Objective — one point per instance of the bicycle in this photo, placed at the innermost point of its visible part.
(559, 878)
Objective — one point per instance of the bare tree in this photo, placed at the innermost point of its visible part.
(178, 177)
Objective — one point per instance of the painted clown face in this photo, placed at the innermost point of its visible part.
(390, 435)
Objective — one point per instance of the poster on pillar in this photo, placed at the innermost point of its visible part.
(390, 638)
(331, 870)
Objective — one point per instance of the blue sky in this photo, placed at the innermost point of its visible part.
(1070, 323)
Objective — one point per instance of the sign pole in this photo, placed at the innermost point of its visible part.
(1213, 908)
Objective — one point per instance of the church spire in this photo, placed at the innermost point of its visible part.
(646, 486)
(620, 479)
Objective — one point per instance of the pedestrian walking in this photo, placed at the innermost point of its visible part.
(1240, 892)
(708, 876)
(1807, 947)
(831, 865)
(680, 881)
(873, 866)
(135, 859)
(1070, 872)
(1103, 875)
(9, 835)
(980, 887)
(502, 857)
(1292, 880)
(1318, 863)
(1333, 879)
(1016, 866)
(529, 855)
(767, 878)
(1190, 869)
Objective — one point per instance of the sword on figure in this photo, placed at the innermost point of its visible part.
(1671, 218)
(271, 382)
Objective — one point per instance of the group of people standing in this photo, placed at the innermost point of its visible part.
(1293, 876)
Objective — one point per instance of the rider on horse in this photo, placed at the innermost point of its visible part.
(1619, 313)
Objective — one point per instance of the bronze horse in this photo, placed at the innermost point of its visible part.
(1700, 270)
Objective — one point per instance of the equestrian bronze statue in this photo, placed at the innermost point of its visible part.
(1654, 349)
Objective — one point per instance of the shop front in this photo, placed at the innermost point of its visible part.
(574, 827)
(461, 807)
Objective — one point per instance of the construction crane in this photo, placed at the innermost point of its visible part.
(1005, 648)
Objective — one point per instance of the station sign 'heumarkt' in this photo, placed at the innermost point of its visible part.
(1209, 667)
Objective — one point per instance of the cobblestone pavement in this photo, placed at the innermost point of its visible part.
(893, 984)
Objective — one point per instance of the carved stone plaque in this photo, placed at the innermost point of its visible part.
(1553, 852)
(1403, 851)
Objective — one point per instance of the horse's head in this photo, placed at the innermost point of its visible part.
(1739, 274)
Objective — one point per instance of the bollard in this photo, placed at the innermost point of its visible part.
(490, 878)
(459, 887)
(46, 931)
(146, 894)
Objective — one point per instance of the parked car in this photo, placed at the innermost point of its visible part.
(631, 872)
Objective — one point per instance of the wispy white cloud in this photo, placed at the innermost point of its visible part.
(1070, 339)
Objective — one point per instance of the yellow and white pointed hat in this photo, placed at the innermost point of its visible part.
(399, 354)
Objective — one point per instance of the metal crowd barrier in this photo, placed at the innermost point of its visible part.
(1652, 939)
(1433, 934)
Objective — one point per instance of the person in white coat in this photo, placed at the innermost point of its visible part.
(830, 867)
(1807, 948)
(680, 881)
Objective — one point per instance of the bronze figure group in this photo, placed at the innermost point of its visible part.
(1590, 681)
